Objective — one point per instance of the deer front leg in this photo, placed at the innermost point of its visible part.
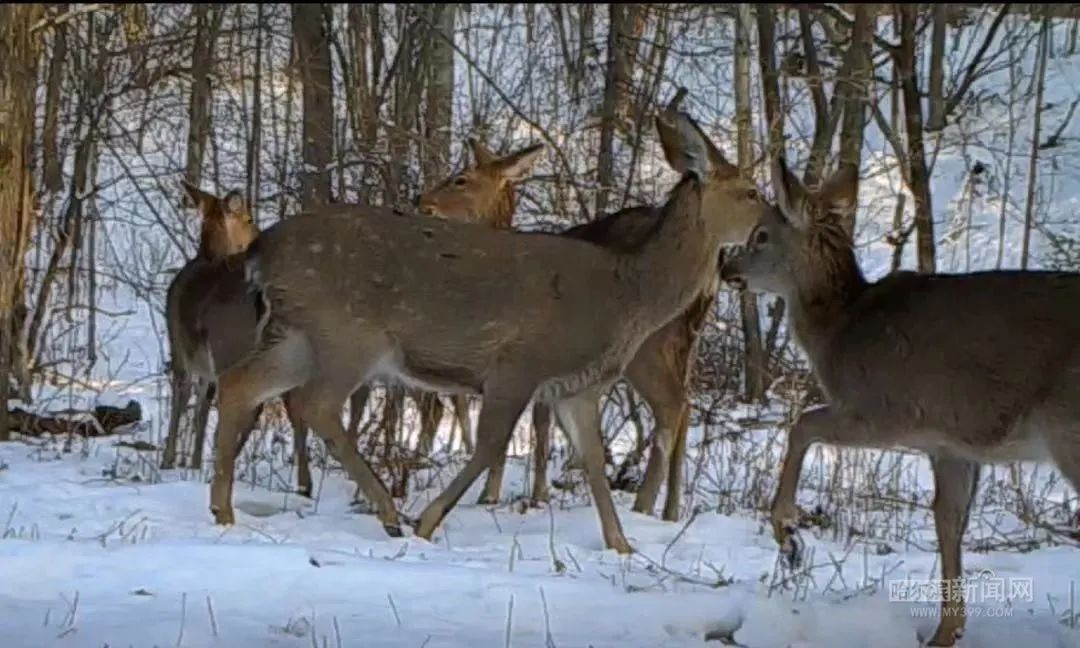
(180, 391)
(203, 401)
(322, 402)
(579, 416)
(822, 425)
(493, 430)
(955, 481)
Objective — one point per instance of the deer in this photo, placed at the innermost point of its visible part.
(210, 323)
(484, 192)
(350, 293)
(930, 362)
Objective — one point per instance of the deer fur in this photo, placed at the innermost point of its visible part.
(483, 193)
(354, 293)
(967, 368)
(203, 289)
(210, 316)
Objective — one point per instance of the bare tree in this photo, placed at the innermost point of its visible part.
(1036, 129)
(755, 359)
(624, 23)
(18, 50)
(312, 47)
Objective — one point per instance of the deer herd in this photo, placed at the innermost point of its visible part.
(449, 299)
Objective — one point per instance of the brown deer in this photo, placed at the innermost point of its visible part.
(210, 323)
(484, 193)
(352, 293)
(226, 229)
(968, 368)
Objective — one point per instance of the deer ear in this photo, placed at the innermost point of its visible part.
(839, 194)
(481, 153)
(517, 166)
(790, 193)
(198, 197)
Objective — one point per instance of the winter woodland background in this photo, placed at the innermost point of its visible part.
(960, 116)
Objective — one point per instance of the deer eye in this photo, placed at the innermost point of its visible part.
(751, 194)
(761, 237)
(459, 181)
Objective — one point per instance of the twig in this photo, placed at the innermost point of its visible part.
(393, 607)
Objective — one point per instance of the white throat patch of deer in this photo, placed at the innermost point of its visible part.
(969, 368)
(358, 292)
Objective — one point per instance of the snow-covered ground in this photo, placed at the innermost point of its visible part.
(96, 553)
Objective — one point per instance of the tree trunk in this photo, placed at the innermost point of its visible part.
(312, 48)
(1036, 127)
(207, 21)
(53, 179)
(622, 23)
(936, 120)
(855, 98)
(18, 51)
(755, 361)
(252, 165)
(440, 94)
(913, 121)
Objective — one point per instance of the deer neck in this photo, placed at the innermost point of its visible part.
(675, 264)
(823, 297)
(500, 211)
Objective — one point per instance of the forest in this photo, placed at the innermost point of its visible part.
(141, 144)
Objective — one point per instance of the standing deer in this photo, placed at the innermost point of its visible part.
(353, 292)
(484, 193)
(968, 368)
(210, 320)
(198, 288)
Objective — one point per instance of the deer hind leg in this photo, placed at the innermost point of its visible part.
(955, 481)
(493, 484)
(180, 391)
(461, 414)
(205, 397)
(579, 416)
(659, 374)
(818, 425)
(677, 467)
(541, 420)
(242, 390)
(498, 414)
(320, 402)
(300, 446)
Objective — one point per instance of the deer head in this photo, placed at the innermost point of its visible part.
(227, 227)
(732, 201)
(800, 247)
(483, 191)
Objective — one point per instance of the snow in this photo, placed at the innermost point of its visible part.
(92, 556)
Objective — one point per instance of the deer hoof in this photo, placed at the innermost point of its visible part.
(223, 516)
(621, 546)
(393, 530)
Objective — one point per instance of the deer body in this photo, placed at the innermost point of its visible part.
(208, 313)
(358, 292)
(484, 193)
(968, 368)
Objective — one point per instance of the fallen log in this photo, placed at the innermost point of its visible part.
(103, 421)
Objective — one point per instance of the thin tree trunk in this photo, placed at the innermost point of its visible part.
(855, 98)
(18, 51)
(207, 19)
(916, 154)
(622, 20)
(252, 165)
(1036, 127)
(313, 60)
(440, 94)
(936, 120)
(755, 361)
(53, 179)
